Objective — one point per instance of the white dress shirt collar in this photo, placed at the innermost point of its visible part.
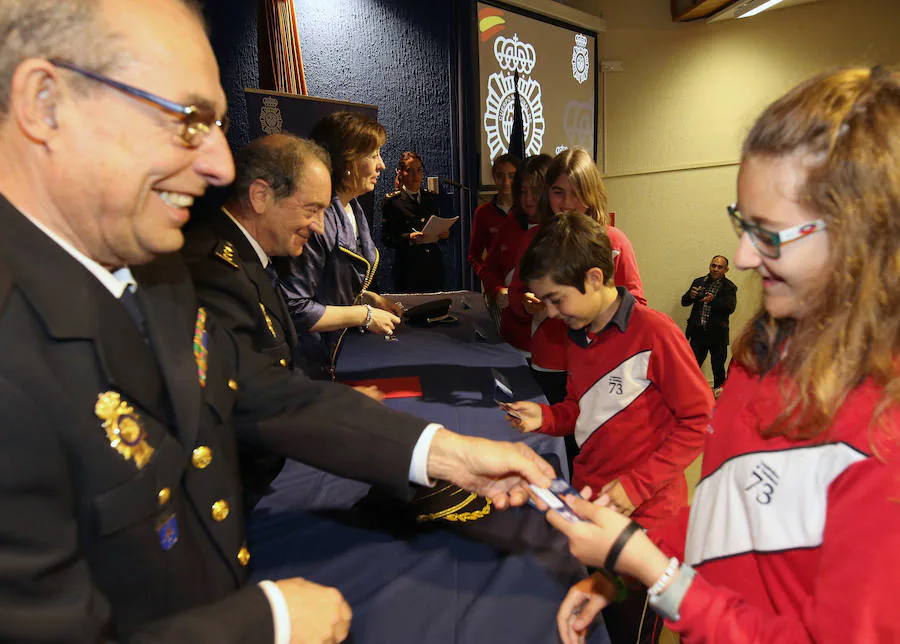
(264, 258)
(115, 281)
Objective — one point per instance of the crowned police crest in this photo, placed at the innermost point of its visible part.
(270, 116)
(513, 55)
(581, 61)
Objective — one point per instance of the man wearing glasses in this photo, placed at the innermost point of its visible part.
(713, 298)
(121, 401)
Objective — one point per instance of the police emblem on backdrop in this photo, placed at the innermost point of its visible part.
(124, 430)
(581, 62)
(513, 55)
(270, 116)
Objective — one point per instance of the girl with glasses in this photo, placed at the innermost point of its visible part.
(794, 530)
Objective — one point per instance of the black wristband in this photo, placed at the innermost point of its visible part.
(613, 555)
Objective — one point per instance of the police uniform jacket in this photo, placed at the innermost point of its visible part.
(233, 285)
(417, 267)
(120, 496)
(335, 268)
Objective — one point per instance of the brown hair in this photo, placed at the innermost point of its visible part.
(586, 182)
(532, 172)
(845, 126)
(277, 159)
(506, 157)
(348, 137)
(565, 249)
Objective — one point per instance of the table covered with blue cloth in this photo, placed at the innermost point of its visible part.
(498, 579)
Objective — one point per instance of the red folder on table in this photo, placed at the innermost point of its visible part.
(403, 387)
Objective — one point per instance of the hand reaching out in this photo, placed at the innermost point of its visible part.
(498, 470)
(526, 417)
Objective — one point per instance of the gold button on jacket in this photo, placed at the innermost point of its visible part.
(201, 457)
(220, 510)
(164, 495)
(243, 556)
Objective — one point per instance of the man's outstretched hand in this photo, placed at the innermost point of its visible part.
(498, 470)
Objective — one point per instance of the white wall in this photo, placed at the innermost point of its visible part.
(677, 115)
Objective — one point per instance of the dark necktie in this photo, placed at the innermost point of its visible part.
(130, 302)
(273, 275)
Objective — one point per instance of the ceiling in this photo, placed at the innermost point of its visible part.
(687, 10)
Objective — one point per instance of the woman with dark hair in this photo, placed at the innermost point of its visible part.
(801, 469)
(325, 287)
(506, 250)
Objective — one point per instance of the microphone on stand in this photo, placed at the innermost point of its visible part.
(457, 184)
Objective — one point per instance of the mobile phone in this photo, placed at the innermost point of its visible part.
(501, 383)
(509, 410)
(553, 497)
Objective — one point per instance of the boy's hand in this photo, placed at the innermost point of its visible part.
(532, 304)
(502, 298)
(581, 606)
(530, 416)
(613, 496)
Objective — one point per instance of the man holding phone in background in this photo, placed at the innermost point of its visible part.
(713, 298)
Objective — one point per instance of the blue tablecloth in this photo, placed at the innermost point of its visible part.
(500, 579)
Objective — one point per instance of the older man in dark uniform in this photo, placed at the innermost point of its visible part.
(121, 401)
(713, 298)
(282, 186)
(418, 265)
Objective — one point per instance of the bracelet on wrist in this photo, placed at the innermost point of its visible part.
(663, 581)
(619, 544)
(667, 604)
(365, 325)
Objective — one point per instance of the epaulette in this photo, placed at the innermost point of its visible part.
(225, 251)
(393, 194)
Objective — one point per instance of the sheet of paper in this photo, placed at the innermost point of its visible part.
(437, 225)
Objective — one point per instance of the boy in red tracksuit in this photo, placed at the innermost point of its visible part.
(636, 400)
(489, 217)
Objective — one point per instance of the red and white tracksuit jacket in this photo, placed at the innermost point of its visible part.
(793, 540)
(639, 407)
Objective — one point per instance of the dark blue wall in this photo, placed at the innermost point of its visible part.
(396, 54)
(232, 32)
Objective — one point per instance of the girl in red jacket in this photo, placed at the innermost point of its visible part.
(504, 255)
(794, 532)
